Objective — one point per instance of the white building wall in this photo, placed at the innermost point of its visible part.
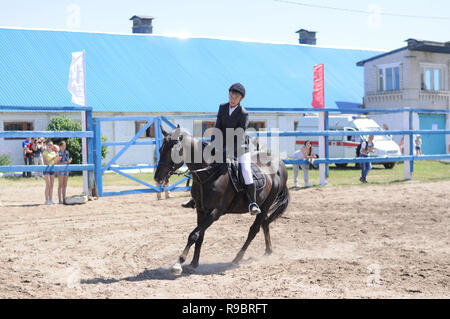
(125, 130)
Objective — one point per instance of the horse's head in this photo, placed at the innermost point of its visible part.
(170, 155)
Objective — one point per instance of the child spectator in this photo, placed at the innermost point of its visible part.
(418, 142)
(63, 176)
(50, 157)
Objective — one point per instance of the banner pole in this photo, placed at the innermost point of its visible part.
(83, 128)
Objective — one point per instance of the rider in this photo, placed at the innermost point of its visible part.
(233, 116)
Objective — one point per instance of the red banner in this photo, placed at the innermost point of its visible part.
(318, 91)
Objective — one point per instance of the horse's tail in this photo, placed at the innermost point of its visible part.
(280, 205)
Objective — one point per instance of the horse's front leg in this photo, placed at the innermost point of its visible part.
(196, 236)
(198, 244)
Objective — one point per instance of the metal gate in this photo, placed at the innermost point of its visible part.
(156, 141)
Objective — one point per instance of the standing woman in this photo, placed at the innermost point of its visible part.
(63, 176)
(50, 157)
(233, 116)
(307, 153)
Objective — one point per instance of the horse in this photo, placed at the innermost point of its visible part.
(215, 195)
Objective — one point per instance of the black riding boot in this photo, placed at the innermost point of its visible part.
(253, 207)
(189, 204)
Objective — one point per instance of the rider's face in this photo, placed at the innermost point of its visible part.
(235, 98)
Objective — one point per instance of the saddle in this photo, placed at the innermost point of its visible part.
(238, 179)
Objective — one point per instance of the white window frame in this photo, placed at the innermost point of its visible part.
(433, 67)
(383, 67)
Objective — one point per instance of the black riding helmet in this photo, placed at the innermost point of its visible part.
(238, 87)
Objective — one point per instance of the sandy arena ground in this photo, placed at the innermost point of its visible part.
(375, 241)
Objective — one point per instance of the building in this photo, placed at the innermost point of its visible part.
(144, 74)
(414, 76)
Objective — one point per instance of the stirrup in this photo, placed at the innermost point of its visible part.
(250, 208)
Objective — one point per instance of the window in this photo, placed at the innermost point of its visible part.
(257, 125)
(17, 126)
(206, 125)
(389, 78)
(431, 79)
(149, 132)
(295, 125)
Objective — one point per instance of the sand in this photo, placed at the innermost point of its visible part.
(365, 241)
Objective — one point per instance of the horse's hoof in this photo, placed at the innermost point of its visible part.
(176, 269)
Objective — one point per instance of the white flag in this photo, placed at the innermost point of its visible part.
(76, 84)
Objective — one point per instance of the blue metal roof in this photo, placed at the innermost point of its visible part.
(151, 73)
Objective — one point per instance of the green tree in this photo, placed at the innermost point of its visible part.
(63, 123)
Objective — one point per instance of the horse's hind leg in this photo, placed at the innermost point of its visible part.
(254, 229)
(265, 226)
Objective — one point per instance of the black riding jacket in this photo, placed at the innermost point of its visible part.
(237, 119)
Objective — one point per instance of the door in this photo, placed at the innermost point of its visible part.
(432, 144)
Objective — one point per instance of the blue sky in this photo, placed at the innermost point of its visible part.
(260, 20)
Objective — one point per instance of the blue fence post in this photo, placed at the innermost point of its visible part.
(98, 156)
(411, 141)
(90, 149)
(326, 145)
(158, 137)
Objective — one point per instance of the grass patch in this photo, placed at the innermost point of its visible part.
(424, 171)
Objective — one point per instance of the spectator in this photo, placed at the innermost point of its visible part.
(166, 193)
(366, 148)
(27, 155)
(50, 157)
(37, 147)
(418, 143)
(402, 145)
(306, 152)
(63, 177)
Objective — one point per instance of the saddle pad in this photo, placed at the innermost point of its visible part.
(238, 179)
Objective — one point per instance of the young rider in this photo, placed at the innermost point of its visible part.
(233, 116)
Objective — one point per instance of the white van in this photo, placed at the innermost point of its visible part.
(345, 146)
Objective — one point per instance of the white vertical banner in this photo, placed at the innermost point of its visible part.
(77, 87)
(77, 79)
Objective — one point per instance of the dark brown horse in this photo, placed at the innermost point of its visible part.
(215, 195)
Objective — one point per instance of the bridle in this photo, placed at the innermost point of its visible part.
(170, 166)
(172, 170)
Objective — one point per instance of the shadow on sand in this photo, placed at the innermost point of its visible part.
(23, 205)
(165, 274)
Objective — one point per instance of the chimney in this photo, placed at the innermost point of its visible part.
(142, 24)
(306, 37)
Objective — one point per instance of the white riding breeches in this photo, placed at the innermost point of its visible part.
(246, 160)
